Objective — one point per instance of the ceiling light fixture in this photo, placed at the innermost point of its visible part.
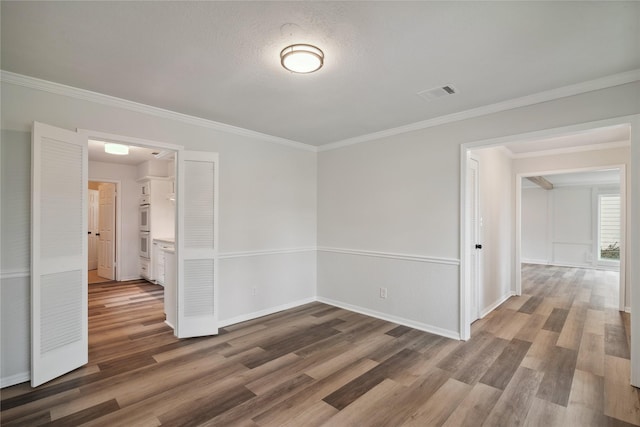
(119, 149)
(302, 58)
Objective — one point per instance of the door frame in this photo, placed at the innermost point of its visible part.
(118, 216)
(474, 288)
(86, 135)
(632, 230)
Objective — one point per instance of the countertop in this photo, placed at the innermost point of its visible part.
(171, 240)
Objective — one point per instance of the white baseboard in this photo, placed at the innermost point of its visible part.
(126, 279)
(15, 379)
(496, 303)
(570, 265)
(265, 312)
(395, 319)
(534, 261)
(627, 309)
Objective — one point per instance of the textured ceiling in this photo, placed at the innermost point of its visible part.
(220, 60)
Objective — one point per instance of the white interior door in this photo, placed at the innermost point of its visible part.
(93, 229)
(474, 230)
(107, 226)
(59, 340)
(197, 244)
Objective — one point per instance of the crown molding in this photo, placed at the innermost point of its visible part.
(112, 101)
(537, 98)
(82, 94)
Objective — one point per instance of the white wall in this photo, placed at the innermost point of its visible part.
(15, 296)
(128, 197)
(496, 191)
(267, 209)
(535, 226)
(382, 200)
(559, 226)
(400, 195)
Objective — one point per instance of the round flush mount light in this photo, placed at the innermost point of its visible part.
(302, 58)
(119, 149)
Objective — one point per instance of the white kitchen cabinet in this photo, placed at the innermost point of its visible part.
(160, 247)
(145, 189)
(158, 263)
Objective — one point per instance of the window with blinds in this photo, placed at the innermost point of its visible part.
(609, 226)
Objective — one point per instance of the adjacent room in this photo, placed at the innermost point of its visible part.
(320, 213)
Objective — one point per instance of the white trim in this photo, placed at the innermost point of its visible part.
(535, 261)
(627, 309)
(563, 242)
(570, 265)
(497, 303)
(265, 312)
(390, 318)
(112, 101)
(632, 263)
(404, 257)
(14, 379)
(570, 150)
(464, 281)
(128, 278)
(15, 273)
(228, 255)
(537, 98)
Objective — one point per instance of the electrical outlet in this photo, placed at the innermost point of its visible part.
(383, 293)
(254, 291)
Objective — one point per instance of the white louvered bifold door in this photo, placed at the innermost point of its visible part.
(59, 341)
(197, 244)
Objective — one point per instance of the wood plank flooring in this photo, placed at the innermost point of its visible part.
(556, 356)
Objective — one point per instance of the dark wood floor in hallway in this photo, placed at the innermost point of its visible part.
(558, 355)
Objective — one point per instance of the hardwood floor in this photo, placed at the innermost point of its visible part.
(92, 277)
(558, 355)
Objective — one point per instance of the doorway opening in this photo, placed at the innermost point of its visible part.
(101, 235)
(571, 149)
(575, 219)
(59, 256)
(131, 219)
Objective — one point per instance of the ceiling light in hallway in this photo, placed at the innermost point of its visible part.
(119, 149)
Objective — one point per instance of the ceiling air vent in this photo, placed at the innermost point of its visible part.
(437, 92)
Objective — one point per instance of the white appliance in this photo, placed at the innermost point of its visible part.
(144, 217)
(145, 244)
